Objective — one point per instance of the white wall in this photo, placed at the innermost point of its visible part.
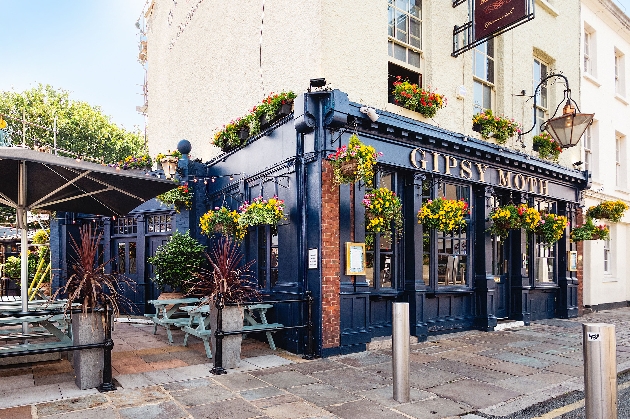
(612, 114)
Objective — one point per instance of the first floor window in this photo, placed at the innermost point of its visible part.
(540, 111)
(607, 256)
(404, 30)
(483, 76)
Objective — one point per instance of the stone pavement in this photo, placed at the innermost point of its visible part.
(469, 374)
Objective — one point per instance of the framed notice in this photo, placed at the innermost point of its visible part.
(355, 258)
(572, 259)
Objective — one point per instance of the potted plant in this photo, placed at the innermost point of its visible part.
(224, 221)
(275, 106)
(546, 146)
(383, 210)
(608, 210)
(180, 197)
(492, 126)
(512, 217)
(443, 214)
(415, 98)
(175, 262)
(96, 292)
(551, 227)
(590, 231)
(354, 162)
(133, 162)
(168, 162)
(226, 286)
(261, 211)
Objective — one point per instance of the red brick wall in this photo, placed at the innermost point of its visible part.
(330, 260)
(580, 272)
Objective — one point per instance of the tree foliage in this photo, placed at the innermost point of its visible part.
(82, 129)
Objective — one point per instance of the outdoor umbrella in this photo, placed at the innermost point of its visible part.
(31, 180)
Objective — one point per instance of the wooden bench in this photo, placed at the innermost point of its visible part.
(49, 325)
(166, 314)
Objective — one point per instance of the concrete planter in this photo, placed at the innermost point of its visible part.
(88, 364)
(232, 317)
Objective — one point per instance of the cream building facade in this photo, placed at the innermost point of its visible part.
(209, 64)
(605, 48)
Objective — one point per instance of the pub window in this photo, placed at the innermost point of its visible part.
(380, 252)
(159, 223)
(404, 31)
(426, 238)
(125, 225)
(499, 258)
(607, 269)
(452, 248)
(544, 254)
(483, 76)
(267, 257)
(540, 72)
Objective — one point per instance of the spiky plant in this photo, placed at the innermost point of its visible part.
(89, 285)
(227, 275)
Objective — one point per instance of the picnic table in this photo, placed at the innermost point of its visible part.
(49, 325)
(166, 314)
(200, 323)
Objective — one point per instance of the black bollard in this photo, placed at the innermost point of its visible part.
(107, 384)
(218, 333)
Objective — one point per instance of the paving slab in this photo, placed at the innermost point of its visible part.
(21, 412)
(287, 379)
(188, 384)
(426, 377)
(19, 381)
(239, 381)
(261, 393)
(202, 395)
(317, 365)
(188, 372)
(528, 361)
(513, 369)
(351, 379)
(267, 361)
(295, 410)
(434, 408)
(531, 383)
(323, 394)
(70, 405)
(284, 398)
(98, 413)
(168, 410)
(470, 371)
(138, 396)
(474, 393)
(363, 409)
(363, 359)
(385, 395)
(226, 409)
(19, 397)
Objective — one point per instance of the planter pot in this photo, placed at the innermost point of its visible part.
(170, 296)
(476, 127)
(232, 317)
(285, 109)
(243, 134)
(536, 147)
(349, 168)
(264, 122)
(88, 363)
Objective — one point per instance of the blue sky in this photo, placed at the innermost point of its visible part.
(88, 47)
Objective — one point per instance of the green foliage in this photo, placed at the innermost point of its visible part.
(590, 231)
(41, 237)
(82, 129)
(499, 127)
(608, 210)
(547, 147)
(177, 261)
(179, 197)
(13, 266)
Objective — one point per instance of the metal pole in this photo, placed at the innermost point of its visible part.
(107, 384)
(23, 127)
(55, 134)
(600, 370)
(310, 351)
(218, 333)
(400, 351)
(22, 223)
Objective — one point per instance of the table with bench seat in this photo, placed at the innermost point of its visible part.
(166, 314)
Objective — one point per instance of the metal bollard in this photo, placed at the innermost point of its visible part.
(600, 370)
(400, 351)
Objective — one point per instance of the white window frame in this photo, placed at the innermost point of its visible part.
(620, 161)
(484, 81)
(588, 148)
(607, 257)
(411, 50)
(620, 80)
(541, 110)
(590, 51)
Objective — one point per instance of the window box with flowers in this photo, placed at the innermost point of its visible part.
(546, 146)
(608, 210)
(133, 162)
(512, 217)
(180, 197)
(412, 97)
(493, 126)
(261, 211)
(383, 211)
(551, 227)
(354, 162)
(590, 231)
(233, 135)
(224, 221)
(275, 106)
(443, 214)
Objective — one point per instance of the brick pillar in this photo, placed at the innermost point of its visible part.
(331, 266)
(579, 217)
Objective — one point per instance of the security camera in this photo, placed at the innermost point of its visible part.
(370, 112)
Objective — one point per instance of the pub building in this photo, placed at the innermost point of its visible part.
(466, 279)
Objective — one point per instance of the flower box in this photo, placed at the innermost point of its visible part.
(354, 162)
(492, 126)
(411, 96)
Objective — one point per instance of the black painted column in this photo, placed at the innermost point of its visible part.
(415, 288)
(520, 260)
(567, 301)
(484, 285)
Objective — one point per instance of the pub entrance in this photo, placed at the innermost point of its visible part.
(500, 250)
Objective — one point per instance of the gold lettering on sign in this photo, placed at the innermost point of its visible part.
(465, 170)
(481, 168)
(519, 181)
(505, 179)
(414, 159)
(544, 187)
(436, 162)
(532, 181)
(449, 162)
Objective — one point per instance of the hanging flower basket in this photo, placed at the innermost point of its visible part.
(383, 211)
(492, 126)
(546, 146)
(261, 211)
(608, 210)
(415, 98)
(590, 231)
(354, 162)
(223, 221)
(443, 214)
(551, 227)
(179, 197)
(512, 217)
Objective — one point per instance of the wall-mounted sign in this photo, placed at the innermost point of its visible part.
(572, 257)
(493, 15)
(355, 258)
(312, 258)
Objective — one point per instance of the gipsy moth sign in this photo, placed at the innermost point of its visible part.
(493, 15)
